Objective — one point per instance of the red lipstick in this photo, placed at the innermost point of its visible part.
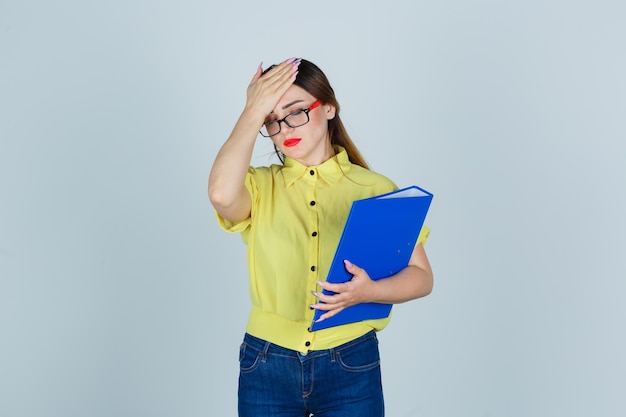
(291, 142)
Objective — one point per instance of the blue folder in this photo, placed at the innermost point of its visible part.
(379, 236)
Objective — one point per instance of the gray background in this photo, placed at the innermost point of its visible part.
(120, 296)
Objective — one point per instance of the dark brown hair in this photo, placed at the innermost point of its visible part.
(311, 78)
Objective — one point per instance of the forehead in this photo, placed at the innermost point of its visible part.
(293, 93)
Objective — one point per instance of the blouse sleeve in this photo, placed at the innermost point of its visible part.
(240, 226)
(423, 236)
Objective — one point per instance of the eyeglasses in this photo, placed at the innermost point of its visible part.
(295, 119)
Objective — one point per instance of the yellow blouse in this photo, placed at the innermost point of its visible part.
(296, 221)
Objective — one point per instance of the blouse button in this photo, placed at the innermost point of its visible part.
(307, 344)
(313, 268)
(314, 234)
(312, 203)
(312, 172)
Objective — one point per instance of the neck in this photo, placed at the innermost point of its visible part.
(319, 157)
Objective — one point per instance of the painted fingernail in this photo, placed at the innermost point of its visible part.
(314, 293)
(290, 60)
(295, 74)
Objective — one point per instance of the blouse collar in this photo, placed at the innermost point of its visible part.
(330, 170)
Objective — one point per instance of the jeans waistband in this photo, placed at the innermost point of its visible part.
(270, 348)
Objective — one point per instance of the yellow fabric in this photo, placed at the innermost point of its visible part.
(296, 221)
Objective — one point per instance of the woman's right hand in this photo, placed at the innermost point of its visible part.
(266, 89)
(227, 189)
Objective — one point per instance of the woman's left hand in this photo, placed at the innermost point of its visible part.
(360, 289)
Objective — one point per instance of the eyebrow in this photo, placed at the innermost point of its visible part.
(292, 103)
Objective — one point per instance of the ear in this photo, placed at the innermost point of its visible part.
(330, 111)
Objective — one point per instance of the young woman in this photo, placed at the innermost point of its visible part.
(291, 216)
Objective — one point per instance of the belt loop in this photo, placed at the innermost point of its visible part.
(264, 352)
(332, 354)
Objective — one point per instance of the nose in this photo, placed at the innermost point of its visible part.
(284, 127)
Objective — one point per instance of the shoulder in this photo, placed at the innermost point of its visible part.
(372, 178)
(261, 171)
(263, 174)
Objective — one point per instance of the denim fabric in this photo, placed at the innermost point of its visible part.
(339, 382)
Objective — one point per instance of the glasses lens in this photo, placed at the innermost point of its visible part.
(296, 119)
(270, 128)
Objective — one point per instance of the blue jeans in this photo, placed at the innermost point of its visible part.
(339, 382)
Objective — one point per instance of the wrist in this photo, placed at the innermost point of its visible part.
(254, 114)
(251, 119)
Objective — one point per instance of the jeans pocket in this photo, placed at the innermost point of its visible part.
(361, 357)
(249, 358)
